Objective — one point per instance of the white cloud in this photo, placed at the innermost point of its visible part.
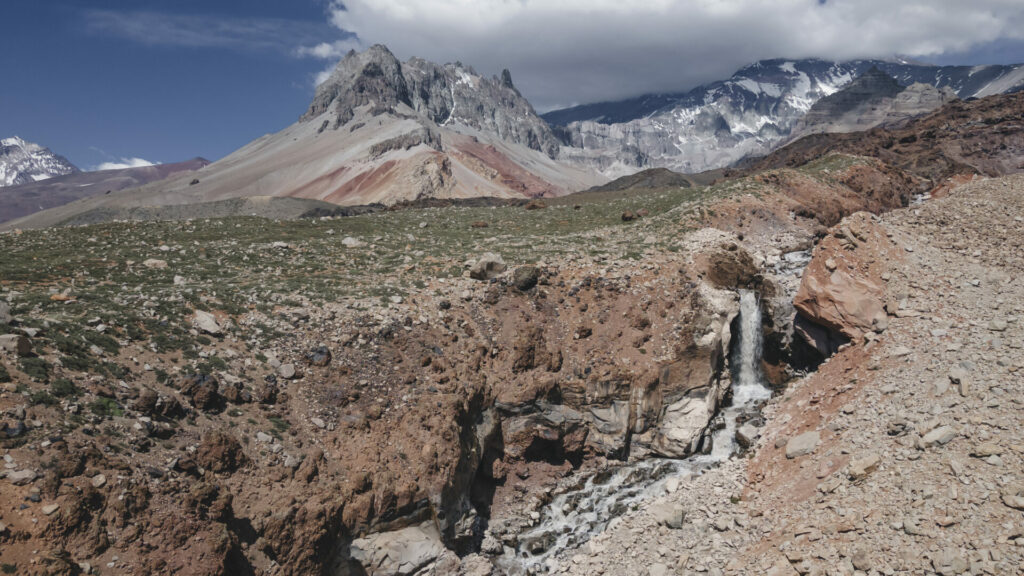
(568, 51)
(126, 163)
(332, 51)
(328, 50)
(322, 76)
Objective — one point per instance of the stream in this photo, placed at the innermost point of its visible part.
(573, 517)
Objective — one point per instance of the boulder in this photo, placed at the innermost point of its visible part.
(320, 356)
(669, 516)
(939, 436)
(949, 562)
(287, 371)
(684, 423)
(727, 265)
(525, 277)
(5, 314)
(400, 552)
(22, 477)
(203, 390)
(206, 322)
(16, 344)
(220, 452)
(861, 467)
(155, 264)
(840, 301)
(837, 290)
(487, 266)
(747, 435)
(803, 444)
(1013, 496)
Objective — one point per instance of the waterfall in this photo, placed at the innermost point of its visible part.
(749, 381)
(573, 517)
(747, 378)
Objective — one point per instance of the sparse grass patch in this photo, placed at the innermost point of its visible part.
(35, 368)
(63, 387)
(106, 407)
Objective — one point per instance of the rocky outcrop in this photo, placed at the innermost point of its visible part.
(372, 78)
(450, 94)
(398, 553)
(423, 136)
(841, 290)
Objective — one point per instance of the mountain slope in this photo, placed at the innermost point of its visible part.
(25, 199)
(714, 125)
(22, 162)
(872, 99)
(382, 131)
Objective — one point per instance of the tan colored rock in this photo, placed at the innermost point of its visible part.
(400, 552)
(861, 467)
(803, 444)
(207, 322)
(487, 266)
(939, 436)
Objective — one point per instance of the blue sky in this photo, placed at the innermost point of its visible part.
(165, 85)
(106, 80)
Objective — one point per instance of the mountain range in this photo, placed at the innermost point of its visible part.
(749, 114)
(31, 197)
(381, 131)
(22, 162)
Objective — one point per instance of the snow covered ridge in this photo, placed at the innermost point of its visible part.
(22, 162)
(751, 112)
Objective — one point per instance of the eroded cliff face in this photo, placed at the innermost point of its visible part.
(577, 369)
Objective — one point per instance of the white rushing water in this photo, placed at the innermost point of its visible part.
(575, 516)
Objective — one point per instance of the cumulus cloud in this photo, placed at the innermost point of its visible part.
(331, 51)
(563, 52)
(126, 163)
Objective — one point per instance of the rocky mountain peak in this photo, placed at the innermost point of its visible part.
(371, 77)
(506, 79)
(22, 162)
(446, 95)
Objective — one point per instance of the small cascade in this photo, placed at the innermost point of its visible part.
(748, 382)
(575, 516)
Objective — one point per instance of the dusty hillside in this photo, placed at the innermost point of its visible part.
(983, 136)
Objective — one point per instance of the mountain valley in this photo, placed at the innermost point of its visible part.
(406, 385)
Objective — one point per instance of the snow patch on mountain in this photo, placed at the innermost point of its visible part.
(22, 162)
(715, 125)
